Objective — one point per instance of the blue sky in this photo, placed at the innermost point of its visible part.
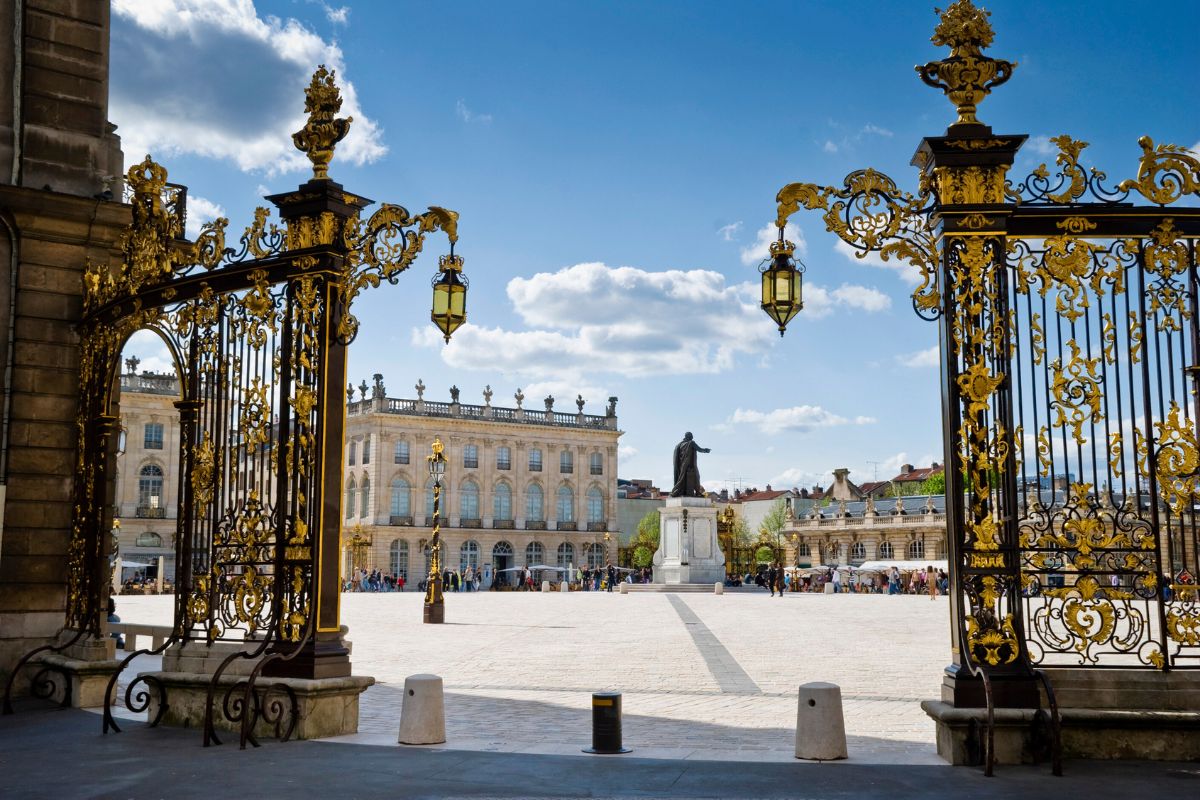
(615, 165)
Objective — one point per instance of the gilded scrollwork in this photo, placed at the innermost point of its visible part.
(871, 214)
(1166, 173)
(1076, 391)
(1177, 460)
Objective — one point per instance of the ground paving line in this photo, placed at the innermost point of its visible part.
(724, 668)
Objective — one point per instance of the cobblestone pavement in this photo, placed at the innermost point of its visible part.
(703, 676)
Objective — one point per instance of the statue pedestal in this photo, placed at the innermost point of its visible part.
(688, 550)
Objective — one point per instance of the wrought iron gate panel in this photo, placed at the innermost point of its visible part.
(1104, 332)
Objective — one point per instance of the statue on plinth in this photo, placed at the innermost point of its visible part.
(687, 476)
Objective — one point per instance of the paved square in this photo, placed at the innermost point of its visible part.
(703, 676)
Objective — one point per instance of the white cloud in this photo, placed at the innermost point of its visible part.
(906, 271)
(1041, 145)
(829, 146)
(618, 320)
(467, 115)
(797, 477)
(626, 451)
(797, 418)
(820, 302)
(761, 248)
(181, 84)
(930, 357)
(877, 130)
(199, 211)
(151, 352)
(338, 16)
(729, 232)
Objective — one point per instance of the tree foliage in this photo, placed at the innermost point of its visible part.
(934, 484)
(645, 539)
(775, 519)
(764, 555)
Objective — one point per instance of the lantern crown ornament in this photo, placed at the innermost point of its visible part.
(322, 131)
(436, 459)
(966, 75)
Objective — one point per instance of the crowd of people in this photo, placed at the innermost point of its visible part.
(779, 579)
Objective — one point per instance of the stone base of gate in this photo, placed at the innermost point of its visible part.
(1086, 733)
(86, 679)
(326, 707)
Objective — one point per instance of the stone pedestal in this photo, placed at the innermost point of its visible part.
(688, 550)
(326, 706)
(1106, 713)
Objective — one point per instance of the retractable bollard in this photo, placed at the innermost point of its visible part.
(606, 724)
(820, 728)
(423, 711)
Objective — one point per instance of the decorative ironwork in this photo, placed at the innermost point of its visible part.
(259, 337)
(1069, 336)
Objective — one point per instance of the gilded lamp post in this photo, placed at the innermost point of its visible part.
(435, 609)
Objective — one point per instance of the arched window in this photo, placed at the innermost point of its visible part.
(351, 496)
(886, 551)
(468, 554)
(597, 464)
(534, 506)
(502, 502)
(148, 539)
(399, 560)
(150, 487)
(401, 502)
(566, 462)
(566, 504)
(566, 555)
(595, 505)
(858, 553)
(916, 550)
(468, 505)
(502, 548)
(593, 555)
(534, 553)
(365, 494)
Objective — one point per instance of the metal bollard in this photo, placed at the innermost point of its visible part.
(606, 724)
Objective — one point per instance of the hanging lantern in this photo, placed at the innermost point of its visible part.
(449, 295)
(781, 283)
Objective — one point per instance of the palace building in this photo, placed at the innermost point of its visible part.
(522, 486)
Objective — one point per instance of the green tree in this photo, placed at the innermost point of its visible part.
(764, 555)
(645, 540)
(774, 520)
(934, 484)
(741, 533)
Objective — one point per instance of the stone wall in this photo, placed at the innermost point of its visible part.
(61, 139)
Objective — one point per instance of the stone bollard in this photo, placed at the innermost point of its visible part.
(545, 586)
(718, 588)
(423, 712)
(820, 728)
(829, 588)
(565, 586)
(624, 588)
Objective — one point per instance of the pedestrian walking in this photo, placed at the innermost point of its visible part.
(612, 576)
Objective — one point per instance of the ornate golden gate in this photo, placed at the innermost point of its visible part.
(259, 337)
(1070, 343)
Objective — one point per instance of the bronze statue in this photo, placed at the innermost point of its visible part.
(687, 477)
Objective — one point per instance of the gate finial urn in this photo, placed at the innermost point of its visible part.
(322, 131)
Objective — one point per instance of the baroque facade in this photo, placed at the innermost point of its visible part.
(900, 529)
(147, 486)
(522, 486)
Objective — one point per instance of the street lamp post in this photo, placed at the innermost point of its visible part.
(435, 609)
